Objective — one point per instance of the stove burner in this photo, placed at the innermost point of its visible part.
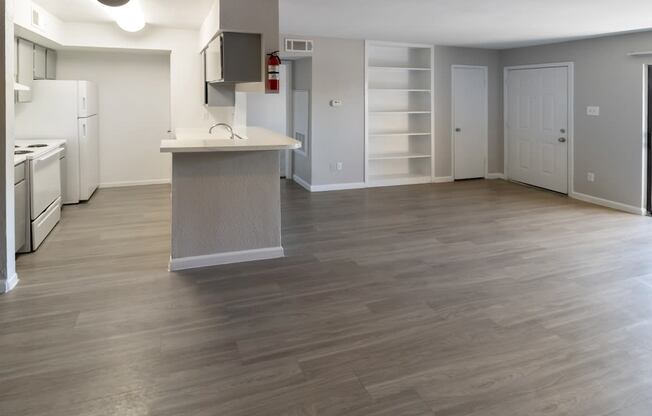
(22, 152)
(37, 145)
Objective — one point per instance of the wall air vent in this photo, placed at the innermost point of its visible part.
(298, 45)
(36, 19)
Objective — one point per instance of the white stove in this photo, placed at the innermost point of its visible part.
(45, 164)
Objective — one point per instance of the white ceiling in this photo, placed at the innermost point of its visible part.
(481, 23)
(184, 14)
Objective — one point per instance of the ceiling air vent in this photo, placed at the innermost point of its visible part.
(298, 45)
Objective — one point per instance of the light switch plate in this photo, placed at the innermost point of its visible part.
(592, 111)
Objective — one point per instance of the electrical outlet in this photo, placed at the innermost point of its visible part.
(592, 111)
(340, 165)
(590, 177)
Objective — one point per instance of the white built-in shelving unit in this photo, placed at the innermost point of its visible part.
(399, 109)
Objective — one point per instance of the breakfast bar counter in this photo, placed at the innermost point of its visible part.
(226, 202)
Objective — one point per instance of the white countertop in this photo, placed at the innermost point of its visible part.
(18, 159)
(194, 140)
(22, 144)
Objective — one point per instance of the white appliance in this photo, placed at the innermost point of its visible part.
(43, 160)
(66, 110)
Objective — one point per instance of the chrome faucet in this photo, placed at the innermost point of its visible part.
(226, 126)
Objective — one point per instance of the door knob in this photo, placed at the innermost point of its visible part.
(562, 140)
(458, 129)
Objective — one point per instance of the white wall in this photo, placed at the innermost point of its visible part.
(8, 277)
(187, 108)
(134, 94)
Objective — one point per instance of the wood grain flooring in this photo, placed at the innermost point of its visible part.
(466, 299)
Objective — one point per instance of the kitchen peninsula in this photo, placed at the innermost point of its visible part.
(226, 201)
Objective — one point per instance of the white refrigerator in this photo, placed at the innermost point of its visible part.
(66, 110)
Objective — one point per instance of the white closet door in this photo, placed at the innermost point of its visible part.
(469, 121)
(537, 126)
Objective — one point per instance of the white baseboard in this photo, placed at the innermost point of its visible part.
(443, 179)
(7, 285)
(301, 182)
(325, 188)
(337, 187)
(607, 203)
(496, 176)
(134, 183)
(185, 263)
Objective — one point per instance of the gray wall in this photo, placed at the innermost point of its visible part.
(609, 145)
(338, 132)
(302, 80)
(445, 57)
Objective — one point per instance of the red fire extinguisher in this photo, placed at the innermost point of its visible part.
(273, 77)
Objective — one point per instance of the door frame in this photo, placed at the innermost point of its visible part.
(485, 115)
(571, 117)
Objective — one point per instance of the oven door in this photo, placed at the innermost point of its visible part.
(45, 182)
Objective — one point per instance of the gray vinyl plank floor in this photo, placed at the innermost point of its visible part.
(464, 299)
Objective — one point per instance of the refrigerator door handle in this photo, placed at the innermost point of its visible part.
(84, 130)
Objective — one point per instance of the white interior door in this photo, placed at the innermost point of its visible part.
(469, 121)
(537, 126)
(301, 119)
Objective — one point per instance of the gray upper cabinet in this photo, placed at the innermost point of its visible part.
(40, 62)
(234, 58)
(25, 68)
(51, 64)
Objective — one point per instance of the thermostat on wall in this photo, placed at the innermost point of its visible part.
(336, 103)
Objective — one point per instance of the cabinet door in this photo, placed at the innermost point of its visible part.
(51, 64)
(39, 62)
(20, 214)
(25, 68)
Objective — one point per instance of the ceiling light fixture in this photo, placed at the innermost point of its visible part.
(114, 3)
(128, 14)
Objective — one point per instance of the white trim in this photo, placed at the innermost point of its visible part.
(185, 263)
(7, 285)
(443, 179)
(495, 176)
(134, 183)
(485, 123)
(571, 117)
(301, 182)
(366, 111)
(337, 187)
(607, 203)
(329, 187)
(645, 128)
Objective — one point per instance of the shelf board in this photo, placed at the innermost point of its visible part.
(393, 156)
(397, 68)
(400, 112)
(399, 134)
(395, 180)
(400, 89)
